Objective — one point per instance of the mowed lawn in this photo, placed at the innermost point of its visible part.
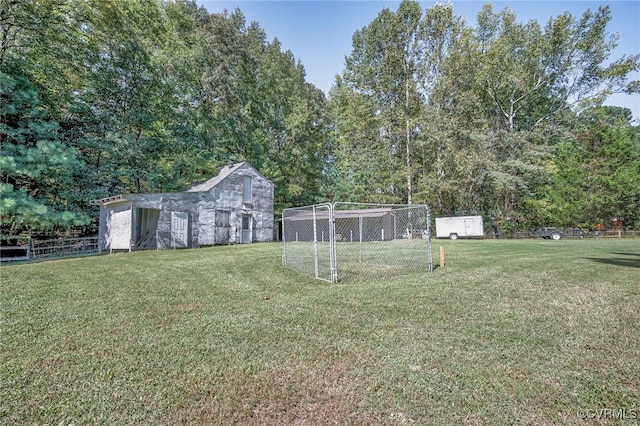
(508, 332)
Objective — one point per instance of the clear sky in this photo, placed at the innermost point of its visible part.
(319, 33)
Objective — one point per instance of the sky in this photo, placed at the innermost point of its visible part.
(319, 33)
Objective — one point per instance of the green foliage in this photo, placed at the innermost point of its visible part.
(148, 96)
(381, 81)
(36, 169)
(495, 107)
(153, 96)
(597, 176)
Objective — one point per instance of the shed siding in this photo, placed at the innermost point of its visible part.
(206, 225)
(117, 233)
(230, 197)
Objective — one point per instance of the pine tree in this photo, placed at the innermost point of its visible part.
(36, 169)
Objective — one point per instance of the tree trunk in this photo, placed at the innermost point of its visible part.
(408, 145)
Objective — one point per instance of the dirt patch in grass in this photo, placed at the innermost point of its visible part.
(287, 393)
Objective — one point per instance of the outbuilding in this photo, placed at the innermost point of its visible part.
(236, 206)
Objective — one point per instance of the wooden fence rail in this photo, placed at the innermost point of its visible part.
(34, 249)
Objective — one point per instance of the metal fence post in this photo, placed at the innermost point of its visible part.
(333, 255)
(315, 243)
(429, 250)
(284, 241)
(360, 235)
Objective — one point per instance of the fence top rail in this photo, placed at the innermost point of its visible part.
(306, 208)
(64, 240)
(380, 205)
(345, 210)
(339, 214)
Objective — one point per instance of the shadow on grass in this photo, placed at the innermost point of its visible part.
(632, 260)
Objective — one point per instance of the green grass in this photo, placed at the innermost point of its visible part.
(508, 332)
(359, 261)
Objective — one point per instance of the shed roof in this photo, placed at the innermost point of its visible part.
(208, 185)
(107, 200)
(205, 186)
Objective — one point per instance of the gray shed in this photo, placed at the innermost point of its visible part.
(236, 206)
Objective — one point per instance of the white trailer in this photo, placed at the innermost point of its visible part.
(459, 227)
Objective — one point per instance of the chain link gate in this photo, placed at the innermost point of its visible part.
(350, 241)
(307, 241)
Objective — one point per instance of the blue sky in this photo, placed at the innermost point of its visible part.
(319, 33)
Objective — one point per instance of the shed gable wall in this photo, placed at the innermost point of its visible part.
(229, 197)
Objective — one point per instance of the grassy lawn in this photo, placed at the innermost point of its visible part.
(508, 332)
(360, 262)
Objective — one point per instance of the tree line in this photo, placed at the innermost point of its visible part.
(502, 118)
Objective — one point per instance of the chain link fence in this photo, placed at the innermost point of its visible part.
(349, 241)
(308, 241)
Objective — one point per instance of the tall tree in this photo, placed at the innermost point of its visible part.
(529, 75)
(125, 91)
(294, 128)
(382, 69)
(36, 169)
(597, 174)
(446, 149)
(530, 82)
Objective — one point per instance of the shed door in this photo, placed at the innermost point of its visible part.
(179, 230)
(246, 228)
(222, 226)
(206, 226)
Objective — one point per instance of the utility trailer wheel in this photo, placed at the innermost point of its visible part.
(453, 236)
